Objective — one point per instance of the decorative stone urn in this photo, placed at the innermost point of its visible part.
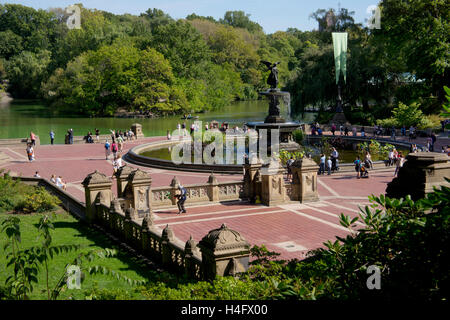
(421, 172)
(224, 252)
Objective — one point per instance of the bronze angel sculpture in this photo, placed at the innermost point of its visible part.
(272, 80)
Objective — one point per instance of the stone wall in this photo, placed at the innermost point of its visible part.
(130, 219)
(201, 263)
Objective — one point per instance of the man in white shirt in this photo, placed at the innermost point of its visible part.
(329, 165)
(322, 164)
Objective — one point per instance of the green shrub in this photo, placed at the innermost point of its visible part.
(11, 192)
(298, 136)
(40, 200)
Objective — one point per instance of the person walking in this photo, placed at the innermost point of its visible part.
(329, 165)
(411, 133)
(30, 152)
(117, 163)
(32, 138)
(181, 199)
(97, 134)
(357, 164)
(70, 132)
(391, 157)
(52, 137)
(354, 131)
(333, 128)
(393, 133)
(433, 141)
(346, 131)
(334, 157)
(399, 163)
(120, 143)
(341, 129)
(107, 149)
(114, 149)
(322, 164)
(289, 167)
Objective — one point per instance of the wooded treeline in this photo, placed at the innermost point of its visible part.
(155, 64)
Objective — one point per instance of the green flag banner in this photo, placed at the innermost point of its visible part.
(340, 54)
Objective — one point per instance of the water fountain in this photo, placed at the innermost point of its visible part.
(274, 120)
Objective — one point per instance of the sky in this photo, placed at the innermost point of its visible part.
(272, 15)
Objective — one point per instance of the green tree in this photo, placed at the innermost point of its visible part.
(34, 27)
(240, 20)
(118, 76)
(10, 44)
(418, 30)
(407, 115)
(228, 46)
(26, 71)
(183, 46)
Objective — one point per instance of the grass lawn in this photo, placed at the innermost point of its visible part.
(69, 231)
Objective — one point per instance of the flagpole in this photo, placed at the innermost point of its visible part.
(339, 99)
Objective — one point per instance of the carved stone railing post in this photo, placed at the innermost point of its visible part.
(304, 180)
(147, 223)
(174, 184)
(139, 186)
(250, 180)
(130, 216)
(421, 172)
(116, 213)
(122, 179)
(166, 251)
(137, 130)
(273, 191)
(213, 188)
(224, 252)
(94, 184)
(189, 264)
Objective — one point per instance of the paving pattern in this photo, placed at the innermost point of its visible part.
(291, 229)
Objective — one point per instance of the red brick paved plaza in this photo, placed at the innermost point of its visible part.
(291, 229)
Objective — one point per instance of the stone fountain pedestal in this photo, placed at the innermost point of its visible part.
(274, 121)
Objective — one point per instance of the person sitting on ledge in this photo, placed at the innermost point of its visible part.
(60, 183)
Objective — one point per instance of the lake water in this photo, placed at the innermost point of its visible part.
(18, 118)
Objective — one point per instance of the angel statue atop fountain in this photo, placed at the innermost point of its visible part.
(272, 80)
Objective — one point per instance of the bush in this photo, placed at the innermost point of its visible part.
(40, 200)
(410, 115)
(11, 192)
(298, 136)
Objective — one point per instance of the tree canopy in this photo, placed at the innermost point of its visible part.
(406, 60)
